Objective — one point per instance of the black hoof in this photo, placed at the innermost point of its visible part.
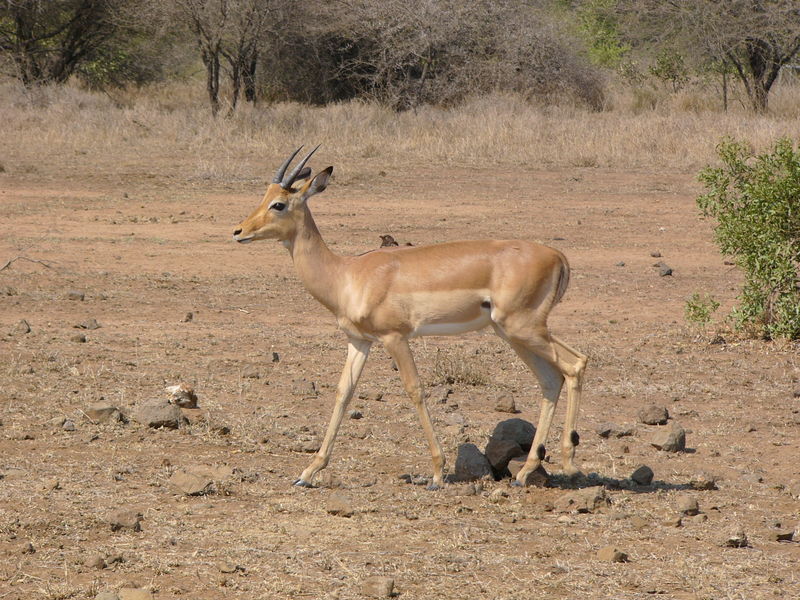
(302, 483)
(433, 487)
(516, 483)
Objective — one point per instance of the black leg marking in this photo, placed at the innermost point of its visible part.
(540, 452)
(574, 438)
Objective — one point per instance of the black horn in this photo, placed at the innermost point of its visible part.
(279, 173)
(289, 180)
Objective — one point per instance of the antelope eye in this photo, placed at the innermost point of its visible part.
(279, 206)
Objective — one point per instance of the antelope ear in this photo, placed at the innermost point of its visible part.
(304, 174)
(318, 184)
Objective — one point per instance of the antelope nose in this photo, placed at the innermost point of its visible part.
(237, 232)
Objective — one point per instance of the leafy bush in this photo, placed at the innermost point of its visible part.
(756, 202)
(699, 309)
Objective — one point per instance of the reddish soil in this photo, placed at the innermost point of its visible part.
(147, 252)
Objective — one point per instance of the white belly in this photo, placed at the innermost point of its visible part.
(455, 328)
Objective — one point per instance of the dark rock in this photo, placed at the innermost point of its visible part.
(498, 452)
(643, 475)
(78, 338)
(663, 269)
(673, 440)
(159, 413)
(654, 415)
(703, 481)
(471, 464)
(76, 295)
(735, 539)
(516, 430)
(609, 430)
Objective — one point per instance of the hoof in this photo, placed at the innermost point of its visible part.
(516, 483)
(302, 483)
(433, 487)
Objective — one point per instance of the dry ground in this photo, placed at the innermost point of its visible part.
(147, 250)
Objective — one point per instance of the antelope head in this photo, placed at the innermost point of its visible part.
(283, 210)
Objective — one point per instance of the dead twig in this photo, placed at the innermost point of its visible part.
(10, 261)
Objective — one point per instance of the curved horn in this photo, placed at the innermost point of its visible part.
(289, 180)
(279, 173)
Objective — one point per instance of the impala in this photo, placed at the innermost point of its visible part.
(397, 293)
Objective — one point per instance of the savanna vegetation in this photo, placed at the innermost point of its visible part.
(582, 83)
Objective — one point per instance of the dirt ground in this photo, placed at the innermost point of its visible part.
(264, 358)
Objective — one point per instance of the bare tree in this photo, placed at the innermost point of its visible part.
(756, 37)
(48, 40)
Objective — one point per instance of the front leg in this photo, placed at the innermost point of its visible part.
(357, 353)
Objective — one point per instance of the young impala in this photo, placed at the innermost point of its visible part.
(394, 294)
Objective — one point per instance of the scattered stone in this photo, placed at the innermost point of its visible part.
(182, 395)
(75, 295)
(135, 594)
(88, 324)
(21, 328)
(536, 478)
(187, 318)
(664, 269)
(471, 464)
(655, 254)
(687, 505)
(698, 519)
(673, 521)
(781, 535)
(438, 394)
(372, 396)
(654, 415)
(735, 539)
(51, 484)
(796, 393)
(229, 567)
(611, 554)
(516, 430)
(68, 425)
(102, 412)
(639, 522)
(620, 264)
(250, 372)
(506, 404)
(7, 290)
(57, 421)
(159, 413)
(107, 595)
(355, 414)
(587, 500)
(463, 489)
(673, 440)
(308, 445)
(340, 506)
(498, 496)
(27, 548)
(643, 475)
(276, 357)
(191, 484)
(125, 519)
(609, 430)
(499, 452)
(78, 338)
(95, 561)
(378, 587)
(703, 481)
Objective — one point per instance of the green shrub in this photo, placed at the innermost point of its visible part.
(699, 309)
(756, 202)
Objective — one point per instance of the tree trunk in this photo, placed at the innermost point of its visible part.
(250, 78)
(211, 61)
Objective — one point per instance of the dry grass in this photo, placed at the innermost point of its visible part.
(91, 134)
